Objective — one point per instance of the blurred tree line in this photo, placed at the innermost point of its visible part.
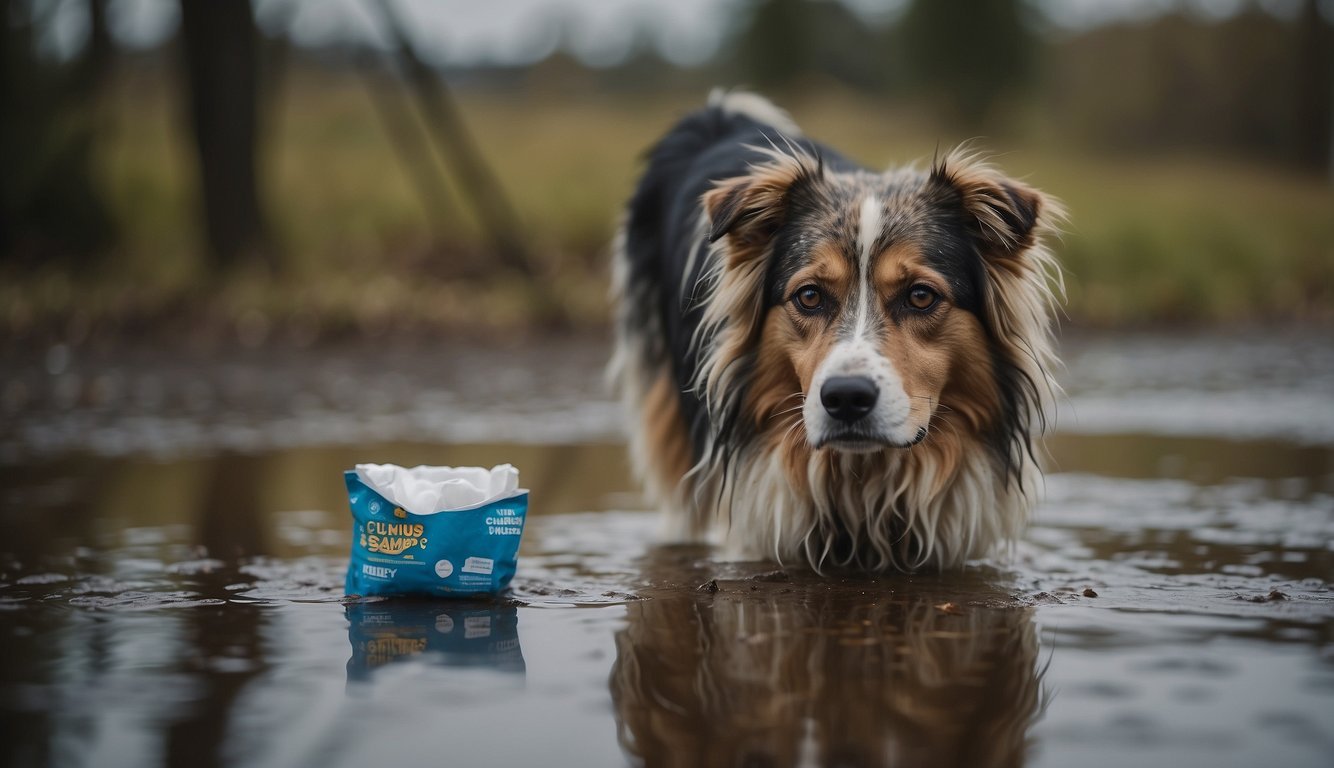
(1252, 84)
(960, 57)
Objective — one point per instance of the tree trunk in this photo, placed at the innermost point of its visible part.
(1315, 90)
(222, 73)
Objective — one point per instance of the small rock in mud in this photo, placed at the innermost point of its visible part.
(779, 575)
(1088, 592)
(950, 608)
(709, 586)
(1046, 597)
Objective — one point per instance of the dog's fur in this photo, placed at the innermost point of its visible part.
(737, 227)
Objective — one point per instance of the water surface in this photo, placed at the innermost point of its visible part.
(171, 570)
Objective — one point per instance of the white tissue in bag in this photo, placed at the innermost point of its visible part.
(426, 490)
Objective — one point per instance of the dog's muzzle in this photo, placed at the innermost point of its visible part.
(858, 403)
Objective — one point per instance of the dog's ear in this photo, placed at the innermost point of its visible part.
(751, 208)
(1003, 215)
(1007, 221)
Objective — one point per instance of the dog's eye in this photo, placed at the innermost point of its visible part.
(922, 298)
(808, 298)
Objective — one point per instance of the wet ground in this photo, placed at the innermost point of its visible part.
(174, 534)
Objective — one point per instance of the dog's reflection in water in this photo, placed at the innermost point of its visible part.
(450, 634)
(815, 673)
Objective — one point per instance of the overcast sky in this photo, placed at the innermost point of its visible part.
(599, 32)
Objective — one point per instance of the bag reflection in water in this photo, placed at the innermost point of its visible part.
(448, 634)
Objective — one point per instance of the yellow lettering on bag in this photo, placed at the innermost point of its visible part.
(390, 545)
(414, 530)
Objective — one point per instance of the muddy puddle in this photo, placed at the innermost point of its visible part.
(171, 569)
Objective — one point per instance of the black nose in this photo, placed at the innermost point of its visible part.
(848, 398)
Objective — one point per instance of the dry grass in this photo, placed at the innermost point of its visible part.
(1149, 240)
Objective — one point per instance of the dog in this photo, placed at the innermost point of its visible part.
(827, 365)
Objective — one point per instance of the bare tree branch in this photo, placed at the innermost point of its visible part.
(458, 147)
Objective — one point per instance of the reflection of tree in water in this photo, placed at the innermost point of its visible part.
(231, 519)
(222, 646)
(820, 676)
(223, 650)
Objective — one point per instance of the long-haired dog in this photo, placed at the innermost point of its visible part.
(828, 364)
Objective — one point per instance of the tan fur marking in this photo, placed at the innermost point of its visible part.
(777, 393)
(791, 349)
(942, 356)
(828, 269)
(666, 440)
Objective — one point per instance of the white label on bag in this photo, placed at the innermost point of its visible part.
(479, 565)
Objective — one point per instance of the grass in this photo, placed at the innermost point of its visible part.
(1174, 239)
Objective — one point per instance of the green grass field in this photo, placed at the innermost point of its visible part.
(1150, 240)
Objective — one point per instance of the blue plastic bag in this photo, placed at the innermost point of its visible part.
(459, 552)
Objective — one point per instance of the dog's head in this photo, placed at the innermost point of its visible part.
(875, 311)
